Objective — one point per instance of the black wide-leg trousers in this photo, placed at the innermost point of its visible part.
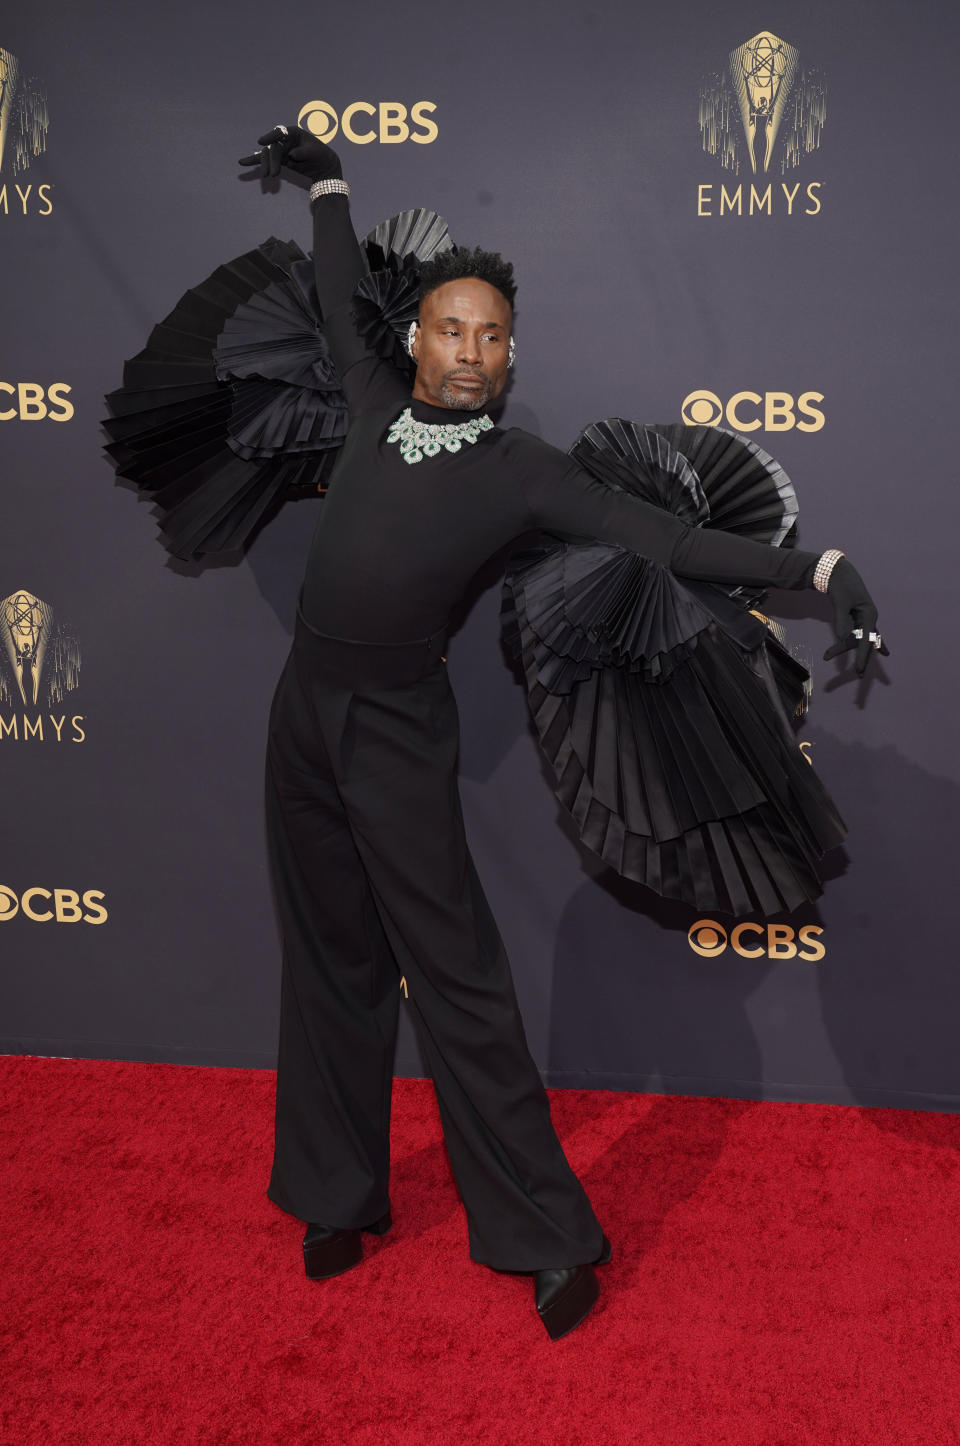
(373, 879)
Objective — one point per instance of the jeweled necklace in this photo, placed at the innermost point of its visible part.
(425, 439)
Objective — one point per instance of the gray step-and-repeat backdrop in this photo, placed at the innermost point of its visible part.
(737, 214)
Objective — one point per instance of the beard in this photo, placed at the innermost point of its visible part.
(468, 399)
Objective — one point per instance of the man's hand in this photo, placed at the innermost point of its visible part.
(854, 617)
(297, 149)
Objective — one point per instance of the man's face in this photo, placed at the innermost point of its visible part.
(461, 344)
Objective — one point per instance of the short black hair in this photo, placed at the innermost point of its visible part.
(459, 262)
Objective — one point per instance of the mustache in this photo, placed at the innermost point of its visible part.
(474, 372)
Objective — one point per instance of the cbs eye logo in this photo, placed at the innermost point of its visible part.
(756, 941)
(43, 906)
(748, 411)
(388, 122)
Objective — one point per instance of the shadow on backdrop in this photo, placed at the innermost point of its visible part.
(634, 1008)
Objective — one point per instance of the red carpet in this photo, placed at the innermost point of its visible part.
(783, 1274)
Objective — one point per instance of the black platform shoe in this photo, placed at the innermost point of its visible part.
(328, 1251)
(565, 1297)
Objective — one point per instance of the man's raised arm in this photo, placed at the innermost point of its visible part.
(338, 262)
(337, 259)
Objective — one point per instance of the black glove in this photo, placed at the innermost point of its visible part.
(297, 149)
(853, 607)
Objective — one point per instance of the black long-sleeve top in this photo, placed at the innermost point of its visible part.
(397, 543)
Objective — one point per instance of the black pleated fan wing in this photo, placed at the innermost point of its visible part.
(232, 405)
(235, 404)
(411, 237)
(663, 706)
(388, 300)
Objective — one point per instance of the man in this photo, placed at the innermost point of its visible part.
(370, 862)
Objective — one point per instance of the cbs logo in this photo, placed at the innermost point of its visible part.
(754, 941)
(388, 122)
(747, 411)
(30, 405)
(43, 906)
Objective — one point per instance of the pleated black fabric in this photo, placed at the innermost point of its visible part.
(705, 475)
(692, 782)
(235, 404)
(662, 705)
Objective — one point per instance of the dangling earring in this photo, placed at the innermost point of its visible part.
(511, 353)
(408, 344)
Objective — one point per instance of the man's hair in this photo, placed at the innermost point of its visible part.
(458, 263)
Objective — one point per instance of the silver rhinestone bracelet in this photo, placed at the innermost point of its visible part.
(823, 569)
(330, 187)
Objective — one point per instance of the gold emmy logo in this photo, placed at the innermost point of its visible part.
(764, 113)
(763, 93)
(39, 665)
(31, 402)
(388, 121)
(46, 906)
(24, 121)
(749, 411)
(757, 941)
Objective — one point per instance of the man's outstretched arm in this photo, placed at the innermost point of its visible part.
(565, 498)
